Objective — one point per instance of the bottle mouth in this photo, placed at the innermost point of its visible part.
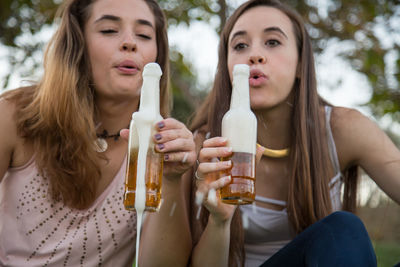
(152, 69)
(241, 69)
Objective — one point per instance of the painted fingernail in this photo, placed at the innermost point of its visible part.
(157, 136)
(160, 146)
(228, 178)
(199, 198)
(161, 125)
(166, 157)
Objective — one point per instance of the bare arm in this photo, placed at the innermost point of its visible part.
(8, 135)
(213, 246)
(360, 141)
(166, 239)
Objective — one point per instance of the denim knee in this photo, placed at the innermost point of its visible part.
(350, 242)
(339, 239)
(340, 219)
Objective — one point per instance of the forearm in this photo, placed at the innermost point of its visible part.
(213, 246)
(166, 239)
(389, 179)
(382, 164)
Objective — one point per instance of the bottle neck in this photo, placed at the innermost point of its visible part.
(150, 95)
(240, 92)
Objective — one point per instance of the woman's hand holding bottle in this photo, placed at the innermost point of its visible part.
(208, 178)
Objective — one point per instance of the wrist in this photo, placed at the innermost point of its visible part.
(172, 180)
(220, 222)
(171, 189)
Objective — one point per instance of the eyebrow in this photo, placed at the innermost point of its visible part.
(117, 19)
(275, 29)
(108, 17)
(144, 22)
(269, 29)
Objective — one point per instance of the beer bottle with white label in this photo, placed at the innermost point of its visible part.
(239, 126)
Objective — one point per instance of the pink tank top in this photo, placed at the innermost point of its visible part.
(37, 231)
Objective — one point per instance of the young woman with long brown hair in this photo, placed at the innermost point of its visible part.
(60, 192)
(293, 222)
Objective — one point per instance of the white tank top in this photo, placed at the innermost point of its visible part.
(269, 230)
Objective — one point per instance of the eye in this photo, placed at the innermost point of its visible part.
(108, 31)
(272, 43)
(240, 46)
(144, 36)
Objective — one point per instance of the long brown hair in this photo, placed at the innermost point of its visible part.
(57, 115)
(308, 189)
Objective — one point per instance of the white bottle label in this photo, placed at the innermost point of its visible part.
(239, 124)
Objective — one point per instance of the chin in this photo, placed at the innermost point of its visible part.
(259, 106)
(258, 102)
(126, 86)
(262, 104)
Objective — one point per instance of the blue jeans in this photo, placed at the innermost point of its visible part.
(339, 239)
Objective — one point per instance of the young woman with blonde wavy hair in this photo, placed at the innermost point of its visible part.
(60, 196)
(293, 222)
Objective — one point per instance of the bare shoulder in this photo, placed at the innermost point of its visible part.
(360, 141)
(356, 135)
(13, 148)
(8, 127)
(344, 119)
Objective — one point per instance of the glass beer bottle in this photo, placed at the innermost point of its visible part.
(145, 166)
(239, 126)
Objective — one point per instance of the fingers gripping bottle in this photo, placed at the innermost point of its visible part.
(239, 126)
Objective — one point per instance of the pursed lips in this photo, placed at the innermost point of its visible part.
(128, 67)
(257, 78)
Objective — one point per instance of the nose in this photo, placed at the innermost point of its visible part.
(257, 59)
(128, 44)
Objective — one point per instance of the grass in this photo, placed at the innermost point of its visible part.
(387, 254)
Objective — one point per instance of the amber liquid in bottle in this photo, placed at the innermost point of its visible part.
(153, 178)
(241, 189)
